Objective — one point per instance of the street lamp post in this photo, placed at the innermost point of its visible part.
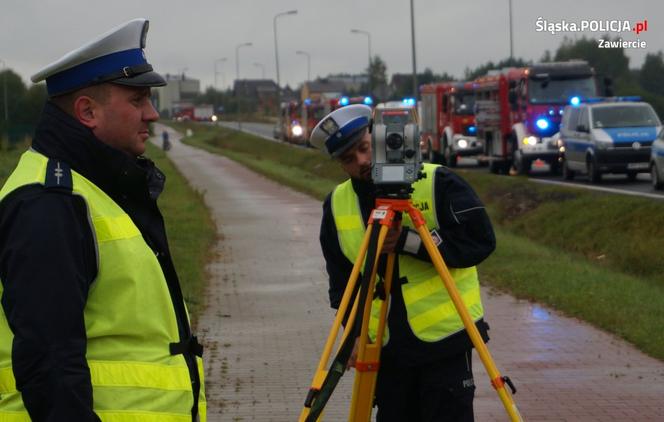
(4, 90)
(276, 50)
(237, 79)
(216, 72)
(359, 31)
(412, 33)
(262, 66)
(304, 53)
(511, 42)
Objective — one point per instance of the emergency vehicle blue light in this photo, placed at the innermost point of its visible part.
(344, 101)
(628, 98)
(409, 101)
(575, 101)
(368, 100)
(542, 124)
(307, 101)
(472, 129)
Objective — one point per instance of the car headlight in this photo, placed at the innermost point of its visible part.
(530, 140)
(297, 130)
(462, 143)
(603, 145)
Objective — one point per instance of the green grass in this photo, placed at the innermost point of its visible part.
(591, 255)
(629, 306)
(190, 228)
(191, 231)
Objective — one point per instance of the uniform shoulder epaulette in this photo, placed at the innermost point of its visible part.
(58, 175)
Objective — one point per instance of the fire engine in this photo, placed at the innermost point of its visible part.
(517, 112)
(448, 128)
(297, 119)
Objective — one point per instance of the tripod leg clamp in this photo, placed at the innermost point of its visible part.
(367, 366)
(313, 392)
(501, 381)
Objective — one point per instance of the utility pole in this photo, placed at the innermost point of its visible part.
(359, 31)
(511, 41)
(4, 90)
(412, 31)
(276, 51)
(237, 81)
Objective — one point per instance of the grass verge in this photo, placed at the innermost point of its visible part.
(191, 231)
(590, 255)
(190, 228)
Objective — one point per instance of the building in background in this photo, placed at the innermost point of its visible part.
(179, 90)
(260, 94)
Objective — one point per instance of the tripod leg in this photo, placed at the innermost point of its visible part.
(497, 380)
(317, 398)
(321, 371)
(368, 358)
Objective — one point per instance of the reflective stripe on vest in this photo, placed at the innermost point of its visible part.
(129, 319)
(431, 313)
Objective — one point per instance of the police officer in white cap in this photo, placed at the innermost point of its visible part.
(93, 324)
(425, 372)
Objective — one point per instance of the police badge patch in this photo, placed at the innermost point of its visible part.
(329, 126)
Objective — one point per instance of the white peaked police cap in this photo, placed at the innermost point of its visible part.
(117, 56)
(341, 129)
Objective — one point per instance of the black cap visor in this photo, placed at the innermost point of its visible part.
(146, 79)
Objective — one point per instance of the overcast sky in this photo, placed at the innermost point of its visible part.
(450, 35)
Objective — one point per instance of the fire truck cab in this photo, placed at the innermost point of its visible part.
(297, 119)
(448, 128)
(518, 112)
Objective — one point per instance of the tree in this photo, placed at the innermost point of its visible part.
(607, 62)
(16, 89)
(377, 72)
(651, 76)
(483, 69)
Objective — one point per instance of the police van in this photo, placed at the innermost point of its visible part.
(611, 135)
(657, 162)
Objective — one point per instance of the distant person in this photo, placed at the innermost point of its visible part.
(425, 370)
(93, 325)
(165, 143)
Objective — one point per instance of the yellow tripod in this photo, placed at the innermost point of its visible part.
(368, 357)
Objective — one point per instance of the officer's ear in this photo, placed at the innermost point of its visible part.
(86, 110)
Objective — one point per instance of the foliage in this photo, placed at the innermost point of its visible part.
(651, 76)
(607, 62)
(24, 106)
(483, 69)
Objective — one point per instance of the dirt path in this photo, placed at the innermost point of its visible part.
(267, 318)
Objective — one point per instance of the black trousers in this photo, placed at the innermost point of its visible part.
(439, 391)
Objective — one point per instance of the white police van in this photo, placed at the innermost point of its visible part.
(657, 162)
(611, 135)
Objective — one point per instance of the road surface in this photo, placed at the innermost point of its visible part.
(267, 316)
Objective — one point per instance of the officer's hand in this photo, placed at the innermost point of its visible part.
(353, 356)
(391, 240)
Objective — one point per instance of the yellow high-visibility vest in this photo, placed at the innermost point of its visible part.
(130, 320)
(431, 313)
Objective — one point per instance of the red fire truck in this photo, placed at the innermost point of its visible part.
(297, 119)
(447, 117)
(517, 112)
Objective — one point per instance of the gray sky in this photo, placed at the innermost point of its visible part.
(450, 35)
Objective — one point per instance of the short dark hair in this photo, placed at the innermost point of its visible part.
(100, 93)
